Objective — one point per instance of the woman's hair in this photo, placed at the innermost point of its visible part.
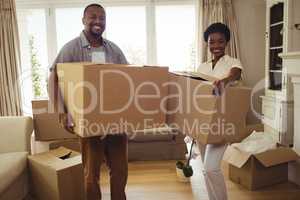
(217, 28)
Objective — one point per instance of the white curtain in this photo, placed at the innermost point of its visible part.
(10, 98)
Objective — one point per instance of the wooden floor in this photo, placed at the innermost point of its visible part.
(156, 180)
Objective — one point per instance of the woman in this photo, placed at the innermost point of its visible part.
(227, 70)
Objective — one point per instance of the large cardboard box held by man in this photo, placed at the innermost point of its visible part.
(46, 123)
(110, 99)
(195, 109)
(254, 171)
(56, 175)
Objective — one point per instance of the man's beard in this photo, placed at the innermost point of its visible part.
(96, 32)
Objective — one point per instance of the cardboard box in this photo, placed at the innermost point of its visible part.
(73, 144)
(210, 119)
(254, 127)
(259, 170)
(56, 175)
(294, 172)
(46, 123)
(111, 99)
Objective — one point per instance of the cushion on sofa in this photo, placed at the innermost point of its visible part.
(11, 166)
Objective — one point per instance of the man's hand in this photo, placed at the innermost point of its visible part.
(66, 121)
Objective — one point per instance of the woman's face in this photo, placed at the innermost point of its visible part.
(217, 44)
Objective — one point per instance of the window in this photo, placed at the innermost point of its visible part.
(68, 24)
(175, 27)
(160, 32)
(126, 26)
(34, 58)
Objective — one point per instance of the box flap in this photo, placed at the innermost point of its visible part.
(236, 157)
(109, 65)
(40, 106)
(113, 65)
(155, 66)
(70, 162)
(195, 75)
(57, 159)
(254, 127)
(61, 152)
(124, 65)
(276, 156)
(76, 63)
(47, 127)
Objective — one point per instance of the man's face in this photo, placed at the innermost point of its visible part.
(217, 44)
(94, 21)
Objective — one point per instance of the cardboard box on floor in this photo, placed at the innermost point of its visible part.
(109, 99)
(46, 123)
(259, 170)
(73, 144)
(294, 172)
(206, 117)
(56, 175)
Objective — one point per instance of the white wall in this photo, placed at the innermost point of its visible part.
(251, 23)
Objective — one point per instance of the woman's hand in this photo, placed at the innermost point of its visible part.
(219, 85)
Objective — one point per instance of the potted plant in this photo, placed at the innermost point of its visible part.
(185, 171)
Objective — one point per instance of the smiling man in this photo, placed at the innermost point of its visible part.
(90, 46)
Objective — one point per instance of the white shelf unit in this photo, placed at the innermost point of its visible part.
(281, 37)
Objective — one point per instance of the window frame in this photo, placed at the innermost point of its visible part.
(51, 5)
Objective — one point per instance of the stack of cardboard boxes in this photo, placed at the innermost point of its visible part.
(134, 98)
(56, 175)
(109, 99)
(48, 130)
(136, 89)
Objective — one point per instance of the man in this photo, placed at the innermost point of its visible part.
(92, 47)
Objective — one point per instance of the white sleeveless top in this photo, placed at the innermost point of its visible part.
(222, 67)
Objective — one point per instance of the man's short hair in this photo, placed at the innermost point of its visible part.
(217, 28)
(91, 5)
